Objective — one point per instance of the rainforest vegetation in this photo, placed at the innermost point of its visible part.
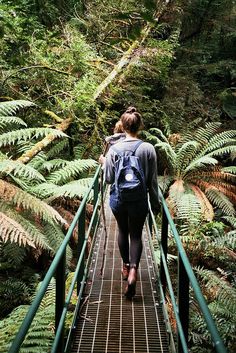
(68, 69)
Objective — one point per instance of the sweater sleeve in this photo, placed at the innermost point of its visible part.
(152, 181)
(109, 169)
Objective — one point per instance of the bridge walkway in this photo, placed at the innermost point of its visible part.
(108, 322)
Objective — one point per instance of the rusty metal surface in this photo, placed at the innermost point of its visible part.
(109, 322)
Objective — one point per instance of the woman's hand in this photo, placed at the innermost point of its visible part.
(102, 159)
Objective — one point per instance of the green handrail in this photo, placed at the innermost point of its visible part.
(59, 338)
(165, 279)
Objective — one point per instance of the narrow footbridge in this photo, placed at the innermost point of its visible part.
(103, 320)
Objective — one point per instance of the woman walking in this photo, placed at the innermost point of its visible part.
(131, 211)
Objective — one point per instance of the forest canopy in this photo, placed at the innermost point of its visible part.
(68, 70)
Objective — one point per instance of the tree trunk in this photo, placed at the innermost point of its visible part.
(39, 146)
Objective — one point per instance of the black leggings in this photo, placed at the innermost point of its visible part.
(130, 226)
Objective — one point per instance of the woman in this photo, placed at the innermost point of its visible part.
(131, 215)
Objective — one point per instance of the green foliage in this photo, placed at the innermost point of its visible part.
(41, 331)
(190, 167)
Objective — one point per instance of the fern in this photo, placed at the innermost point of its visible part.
(13, 254)
(231, 170)
(159, 133)
(200, 162)
(13, 292)
(23, 200)
(71, 170)
(19, 169)
(7, 122)
(53, 164)
(57, 149)
(76, 188)
(186, 153)
(220, 200)
(218, 287)
(10, 107)
(202, 135)
(12, 231)
(14, 137)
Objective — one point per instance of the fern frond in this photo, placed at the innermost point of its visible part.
(10, 107)
(231, 220)
(16, 136)
(7, 122)
(221, 151)
(215, 172)
(202, 135)
(220, 200)
(71, 170)
(54, 164)
(200, 162)
(23, 200)
(13, 292)
(76, 188)
(169, 153)
(57, 149)
(159, 133)
(12, 231)
(54, 237)
(225, 188)
(19, 169)
(221, 139)
(221, 290)
(79, 151)
(43, 190)
(186, 153)
(36, 234)
(13, 254)
(152, 138)
(229, 170)
(228, 240)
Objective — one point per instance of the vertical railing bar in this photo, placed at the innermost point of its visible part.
(183, 301)
(81, 239)
(60, 297)
(164, 243)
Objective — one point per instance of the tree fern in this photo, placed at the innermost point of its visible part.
(194, 160)
(10, 107)
(71, 170)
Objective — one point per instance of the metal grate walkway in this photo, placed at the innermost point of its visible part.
(109, 323)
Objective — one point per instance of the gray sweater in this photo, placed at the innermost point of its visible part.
(148, 160)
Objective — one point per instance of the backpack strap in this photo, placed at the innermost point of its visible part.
(133, 150)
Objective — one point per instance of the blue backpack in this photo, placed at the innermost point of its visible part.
(130, 182)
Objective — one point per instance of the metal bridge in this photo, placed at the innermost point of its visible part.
(104, 321)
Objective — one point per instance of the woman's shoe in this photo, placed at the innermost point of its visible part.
(131, 287)
(125, 271)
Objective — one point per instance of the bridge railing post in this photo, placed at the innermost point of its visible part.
(60, 298)
(183, 301)
(81, 239)
(164, 244)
